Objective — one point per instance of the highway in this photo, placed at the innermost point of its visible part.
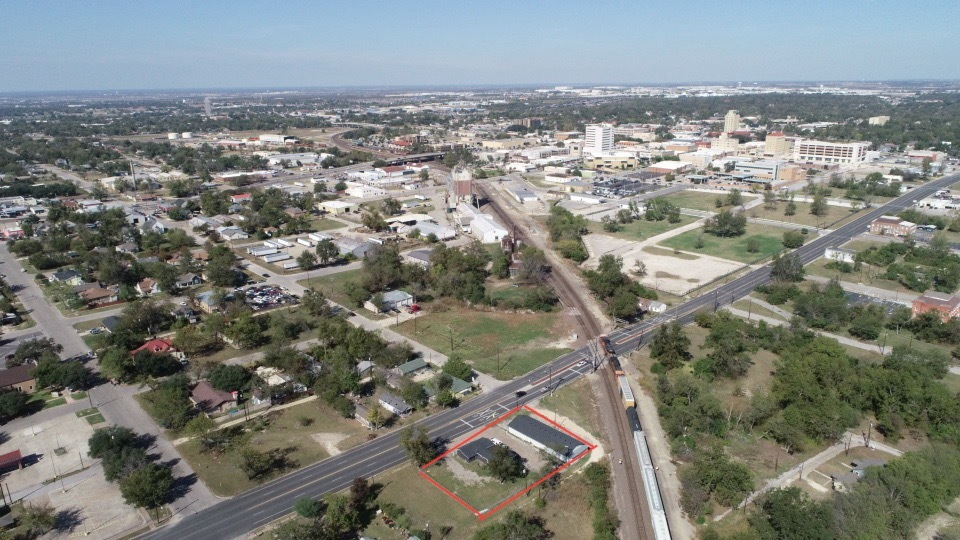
(235, 517)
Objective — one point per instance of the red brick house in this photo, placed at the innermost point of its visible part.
(892, 226)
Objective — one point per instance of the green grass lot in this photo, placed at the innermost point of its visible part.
(523, 338)
(484, 494)
(754, 308)
(94, 419)
(325, 224)
(576, 401)
(870, 276)
(641, 229)
(698, 200)
(734, 248)
(87, 325)
(567, 513)
(803, 215)
(282, 431)
(332, 285)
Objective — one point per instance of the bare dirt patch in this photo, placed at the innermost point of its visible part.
(329, 441)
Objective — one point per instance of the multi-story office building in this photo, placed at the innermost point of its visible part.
(731, 122)
(809, 151)
(598, 138)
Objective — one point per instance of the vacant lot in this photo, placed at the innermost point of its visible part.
(522, 341)
(576, 402)
(802, 215)
(304, 434)
(334, 287)
(733, 248)
(641, 229)
(699, 200)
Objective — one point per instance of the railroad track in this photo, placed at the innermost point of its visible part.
(567, 293)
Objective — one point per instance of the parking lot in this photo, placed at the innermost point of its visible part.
(889, 306)
(620, 188)
(263, 297)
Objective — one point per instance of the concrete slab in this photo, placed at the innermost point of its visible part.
(38, 445)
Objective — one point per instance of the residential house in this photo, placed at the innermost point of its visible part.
(147, 287)
(546, 438)
(647, 305)
(365, 368)
(13, 233)
(420, 257)
(127, 247)
(392, 300)
(946, 306)
(480, 450)
(200, 221)
(99, 296)
(241, 198)
(232, 233)
(210, 400)
(413, 367)
(293, 211)
(188, 280)
(395, 404)
(160, 346)
(208, 303)
(70, 277)
(187, 313)
(19, 378)
(109, 324)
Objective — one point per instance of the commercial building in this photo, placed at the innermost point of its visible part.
(668, 167)
(764, 170)
(361, 191)
(337, 207)
(946, 306)
(598, 138)
(778, 145)
(810, 151)
(892, 226)
(546, 438)
(731, 122)
(611, 160)
(878, 120)
(840, 255)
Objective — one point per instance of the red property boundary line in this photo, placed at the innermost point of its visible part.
(482, 515)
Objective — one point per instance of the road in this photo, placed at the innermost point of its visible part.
(116, 403)
(235, 517)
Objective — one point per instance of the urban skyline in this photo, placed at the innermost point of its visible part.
(108, 45)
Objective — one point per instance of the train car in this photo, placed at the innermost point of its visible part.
(629, 401)
(634, 419)
(615, 364)
(607, 346)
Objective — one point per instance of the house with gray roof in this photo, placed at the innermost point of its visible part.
(395, 404)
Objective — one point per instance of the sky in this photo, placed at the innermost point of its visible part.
(147, 44)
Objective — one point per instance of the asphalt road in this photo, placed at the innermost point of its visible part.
(235, 517)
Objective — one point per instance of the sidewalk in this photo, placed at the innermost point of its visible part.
(777, 322)
(813, 463)
(904, 297)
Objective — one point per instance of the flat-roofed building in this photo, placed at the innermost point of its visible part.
(546, 438)
(810, 151)
(892, 226)
(946, 306)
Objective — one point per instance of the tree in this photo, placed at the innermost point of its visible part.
(327, 252)
(504, 464)
(147, 487)
(726, 223)
(246, 332)
(753, 245)
(110, 440)
(12, 403)
(456, 367)
(790, 209)
(424, 175)
(307, 260)
(315, 302)
(391, 206)
(229, 377)
(56, 374)
(308, 508)
(792, 239)
(516, 525)
(418, 445)
(769, 200)
(735, 198)
(34, 351)
(362, 492)
(377, 415)
(790, 513)
(670, 345)
(787, 268)
(119, 465)
(255, 463)
(819, 205)
(38, 518)
(341, 518)
(374, 221)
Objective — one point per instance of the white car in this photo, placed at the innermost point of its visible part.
(581, 363)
